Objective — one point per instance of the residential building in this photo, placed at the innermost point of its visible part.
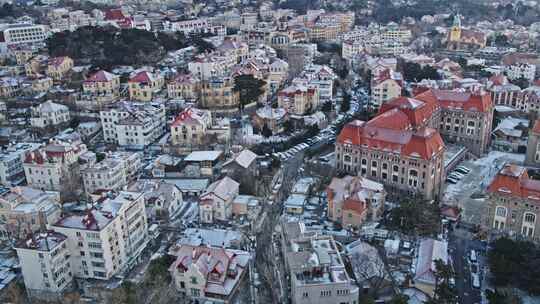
(385, 86)
(112, 173)
(242, 167)
(49, 114)
(144, 85)
(315, 266)
(190, 127)
(184, 86)
(429, 251)
(521, 70)
(58, 67)
(279, 70)
(102, 84)
(299, 99)
(11, 163)
(133, 124)
(208, 273)
(217, 93)
(510, 135)
(300, 55)
(41, 84)
(271, 118)
(163, 200)
(320, 76)
(25, 210)
(215, 204)
(108, 238)
(14, 34)
(195, 26)
(532, 157)
(206, 161)
(353, 200)
(504, 93)
(9, 87)
(36, 66)
(512, 203)
(54, 167)
(45, 262)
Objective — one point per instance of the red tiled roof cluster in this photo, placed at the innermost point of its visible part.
(114, 14)
(354, 205)
(100, 76)
(142, 77)
(417, 112)
(466, 101)
(188, 116)
(513, 180)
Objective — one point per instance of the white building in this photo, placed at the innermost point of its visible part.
(54, 167)
(45, 262)
(14, 34)
(112, 173)
(108, 238)
(216, 203)
(163, 200)
(316, 269)
(49, 114)
(11, 163)
(195, 26)
(521, 70)
(133, 124)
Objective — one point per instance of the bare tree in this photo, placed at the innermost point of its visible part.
(369, 269)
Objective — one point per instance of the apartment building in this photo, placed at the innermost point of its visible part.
(315, 266)
(189, 127)
(466, 117)
(405, 155)
(45, 262)
(279, 70)
(215, 204)
(207, 66)
(112, 173)
(9, 86)
(54, 167)
(320, 76)
(299, 99)
(353, 200)
(41, 84)
(195, 26)
(36, 66)
(59, 67)
(14, 34)
(133, 124)
(144, 85)
(217, 93)
(212, 274)
(385, 86)
(108, 238)
(49, 114)
(512, 205)
(24, 210)
(102, 84)
(521, 70)
(351, 48)
(11, 163)
(184, 86)
(505, 93)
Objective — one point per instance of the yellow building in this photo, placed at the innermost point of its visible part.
(102, 83)
(183, 86)
(460, 38)
(36, 66)
(22, 55)
(42, 84)
(144, 85)
(58, 67)
(217, 93)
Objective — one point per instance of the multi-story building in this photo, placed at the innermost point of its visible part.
(207, 66)
(36, 66)
(112, 173)
(316, 269)
(163, 200)
(58, 67)
(215, 204)
(42, 84)
(189, 127)
(209, 274)
(25, 210)
(397, 148)
(299, 99)
(133, 124)
(9, 86)
(352, 200)
(102, 84)
(55, 166)
(49, 114)
(278, 74)
(195, 26)
(143, 85)
(462, 39)
(521, 70)
(14, 34)
(504, 93)
(300, 55)
(385, 86)
(320, 76)
(351, 48)
(108, 238)
(184, 86)
(45, 262)
(532, 157)
(217, 93)
(466, 117)
(512, 204)
(11, 163)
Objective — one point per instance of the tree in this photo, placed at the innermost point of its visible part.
(415, 217)
(369, 268)
(400, 299)
(327, 107)
(250, 88)
(444, 292)
(345, 102)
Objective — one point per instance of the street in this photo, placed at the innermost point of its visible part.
(460, 244)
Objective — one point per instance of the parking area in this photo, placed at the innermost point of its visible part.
(468, 192)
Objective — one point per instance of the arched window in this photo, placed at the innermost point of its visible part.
(413, 173)
(529, 218)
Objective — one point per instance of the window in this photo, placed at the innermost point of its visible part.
(305, 295)
(193, 280)
(500, 211)
(529, 218)
(195, 292)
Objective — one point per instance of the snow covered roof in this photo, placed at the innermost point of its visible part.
(200, 156)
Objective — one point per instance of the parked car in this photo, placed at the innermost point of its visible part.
(463, 169)
(451, 180)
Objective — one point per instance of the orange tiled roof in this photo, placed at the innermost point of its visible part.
(514, 181)
(466, 101)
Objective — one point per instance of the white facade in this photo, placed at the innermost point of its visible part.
(49, 114)
(106, 241)
(24, 33)
(44, 261)
(11, 163)
(522, 70)
(112, 173)
(133, 124)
